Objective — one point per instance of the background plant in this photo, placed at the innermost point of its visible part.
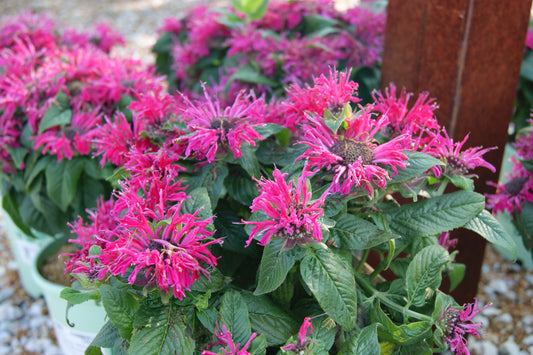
(229, 233)
(265, 46)
(57, 87)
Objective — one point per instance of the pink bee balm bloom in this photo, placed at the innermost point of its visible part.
(458, 323)
(225, 339)
(513, 194)
(524, 143)
(303, 338)
(168, 252)
(327, 93)
(458, 161)
(216, 130)
(403, 118)
(352, 156)
(291, 214)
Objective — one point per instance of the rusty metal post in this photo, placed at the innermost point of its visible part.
(467, 54)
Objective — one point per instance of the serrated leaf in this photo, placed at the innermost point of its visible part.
(62, 181)
(234, 315)
(461, 182)
(76, 297)
(333, 285)
(275, 264)
(436, 215)
(456, 275)
(269, 319)
(364, 342)
(270, 153)
(120, 307)
(248, 161)
(404, 334)
(164, 334)
(58, 114)
(424, 272)
(352, 232)
(241, 187)
(417, 164)
(250, 75)
(268, 129)
(107, 336)
(489, 228)
(214, 282)
(198, 202)
(212, 178)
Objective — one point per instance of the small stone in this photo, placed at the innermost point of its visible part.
(496, 286)
(527, 319)
(6, 350)
(510, 348)
(10, 313)
(6, 294)
(485, 269)
(482, 319)
(528, 340)
(2, 271)
(505, 318)
(482, 347)
(492, 311)
(5, 337)
(36, 309)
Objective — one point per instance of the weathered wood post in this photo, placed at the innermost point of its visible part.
(467, 54)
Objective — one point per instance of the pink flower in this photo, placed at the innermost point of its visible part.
(327, 93)
(458, 161)
(113, 140)
(513, 194)
(524, 143)
(300, 345)
(291, 214)
(225, 339)
(216, 130)
(161, 246)
(171, 24)
(445, 241)
(529, 39)
(458, 323)
(352, 156)
(404, 119)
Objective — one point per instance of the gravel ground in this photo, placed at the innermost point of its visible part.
(25, 328)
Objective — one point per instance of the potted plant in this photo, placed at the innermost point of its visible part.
(230, 234)
(57, 88)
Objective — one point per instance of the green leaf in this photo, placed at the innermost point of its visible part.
(352, 232)
(17, 154)
(228, 225)
(332, 283)
(268, 129)
(489, 228)
(212, 178)
(198, 202)
(461, 182)
(424, 272)
(364, 342)
(120, 307)
(404, 334)
(436, 215)
(253, 9)
(11, 208)
(234, 315)
(92, 350)
(456, 275)
(269, 319)
(214, 282)
(163, 43)
(331, 121)
(526, 69)
(62, 181)
(58, 114)
(250, 75)
(271, 152)
(76, 297)
(275, 264)
(417, 164)
(524, 224)
(107, 336)
(165, 333)
(241, 187)
(248, 161)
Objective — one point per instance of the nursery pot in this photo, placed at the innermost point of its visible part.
(25, 249)
(85, 319)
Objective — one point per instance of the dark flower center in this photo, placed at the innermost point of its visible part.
(336, 108)
(127, 83)
(514, 186)
(350, 150)
(457, 164)
(153, 245)
(70, 132)
(75, 87)
(451, 319)
(221, 123)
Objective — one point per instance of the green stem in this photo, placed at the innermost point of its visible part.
(442, 187)
(383, 263)
(362, 261)
(369, 288)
